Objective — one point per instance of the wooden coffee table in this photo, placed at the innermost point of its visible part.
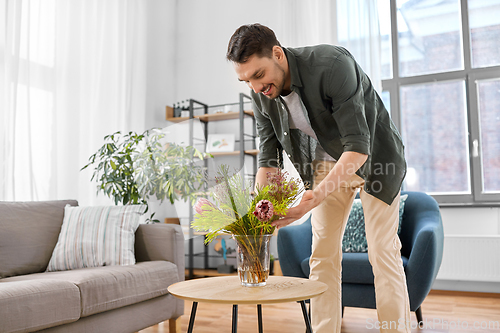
(228, 290)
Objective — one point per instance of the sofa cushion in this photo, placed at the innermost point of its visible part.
(354, 239)
(96, 236)
(356, 268)
(28, 235)
(110, 287)
(29, 306)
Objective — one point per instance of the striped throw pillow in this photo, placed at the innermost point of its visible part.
(96, 236)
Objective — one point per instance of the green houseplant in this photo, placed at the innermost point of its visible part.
(131, 168)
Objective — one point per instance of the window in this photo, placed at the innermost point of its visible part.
(441, 82)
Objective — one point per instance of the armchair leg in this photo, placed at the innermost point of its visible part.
(174, 325)
(343, 311)
(418, 313)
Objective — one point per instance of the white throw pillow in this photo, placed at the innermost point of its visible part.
(96, 236)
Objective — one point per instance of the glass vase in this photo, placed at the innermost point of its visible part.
(253, 259)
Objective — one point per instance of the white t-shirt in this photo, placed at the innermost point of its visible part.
(297, 119)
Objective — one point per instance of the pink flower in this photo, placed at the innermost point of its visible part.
(198, 207)
(264, 210)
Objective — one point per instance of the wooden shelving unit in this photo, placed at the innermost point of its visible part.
(243, 137)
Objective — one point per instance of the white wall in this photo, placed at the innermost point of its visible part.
(205, 27)
(476, 221)
(471, 221)
(203, 32)
(161, 68)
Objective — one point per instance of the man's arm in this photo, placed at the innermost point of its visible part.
(261, 176)
(269, 148)
(343, 170)
(348, 163)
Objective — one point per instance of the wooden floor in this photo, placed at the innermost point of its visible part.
(442, 312)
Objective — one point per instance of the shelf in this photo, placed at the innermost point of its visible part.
(207, 272)
(252, 152)
(226, 153)
(185, 231)
(212, 116)
(211, 255)
(222, 116)
(198, 272)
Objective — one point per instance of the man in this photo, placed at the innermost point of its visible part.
(319, 107)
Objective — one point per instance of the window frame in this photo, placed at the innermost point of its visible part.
(470, 76)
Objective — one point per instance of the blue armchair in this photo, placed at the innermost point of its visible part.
(422, 251)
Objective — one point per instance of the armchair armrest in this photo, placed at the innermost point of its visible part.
(424, 261)
(161, 242)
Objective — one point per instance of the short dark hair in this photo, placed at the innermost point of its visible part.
(251, 39)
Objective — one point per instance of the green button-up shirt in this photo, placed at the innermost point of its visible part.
(346, 114)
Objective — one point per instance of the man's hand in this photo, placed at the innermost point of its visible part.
(308, 202)
(261, 177)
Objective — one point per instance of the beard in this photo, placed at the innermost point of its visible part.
(280, 83)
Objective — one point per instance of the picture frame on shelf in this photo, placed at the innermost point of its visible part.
(219, 143)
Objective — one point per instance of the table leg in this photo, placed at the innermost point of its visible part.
(309, 310)
(193, 314)
(306, 317)
(235, 318)
(259, 316)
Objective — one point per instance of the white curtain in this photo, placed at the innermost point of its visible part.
(359, 32)
(71, 72)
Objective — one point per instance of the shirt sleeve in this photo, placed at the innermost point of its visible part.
(270, 151)
(345, 87)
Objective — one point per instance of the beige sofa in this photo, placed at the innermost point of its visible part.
(103, 299)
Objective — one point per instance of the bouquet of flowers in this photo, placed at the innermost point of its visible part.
(235, 211)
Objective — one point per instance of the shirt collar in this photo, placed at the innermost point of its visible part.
(292, 67)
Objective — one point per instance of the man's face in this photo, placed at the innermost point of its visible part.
(263, 75)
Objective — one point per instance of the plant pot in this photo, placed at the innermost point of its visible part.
(254, 259)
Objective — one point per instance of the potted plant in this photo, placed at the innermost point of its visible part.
(131, 168)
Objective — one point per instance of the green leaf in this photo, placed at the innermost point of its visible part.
(129, 174)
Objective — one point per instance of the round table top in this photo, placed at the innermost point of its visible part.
(228, 290)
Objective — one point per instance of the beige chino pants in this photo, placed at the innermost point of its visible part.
(381, 223)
